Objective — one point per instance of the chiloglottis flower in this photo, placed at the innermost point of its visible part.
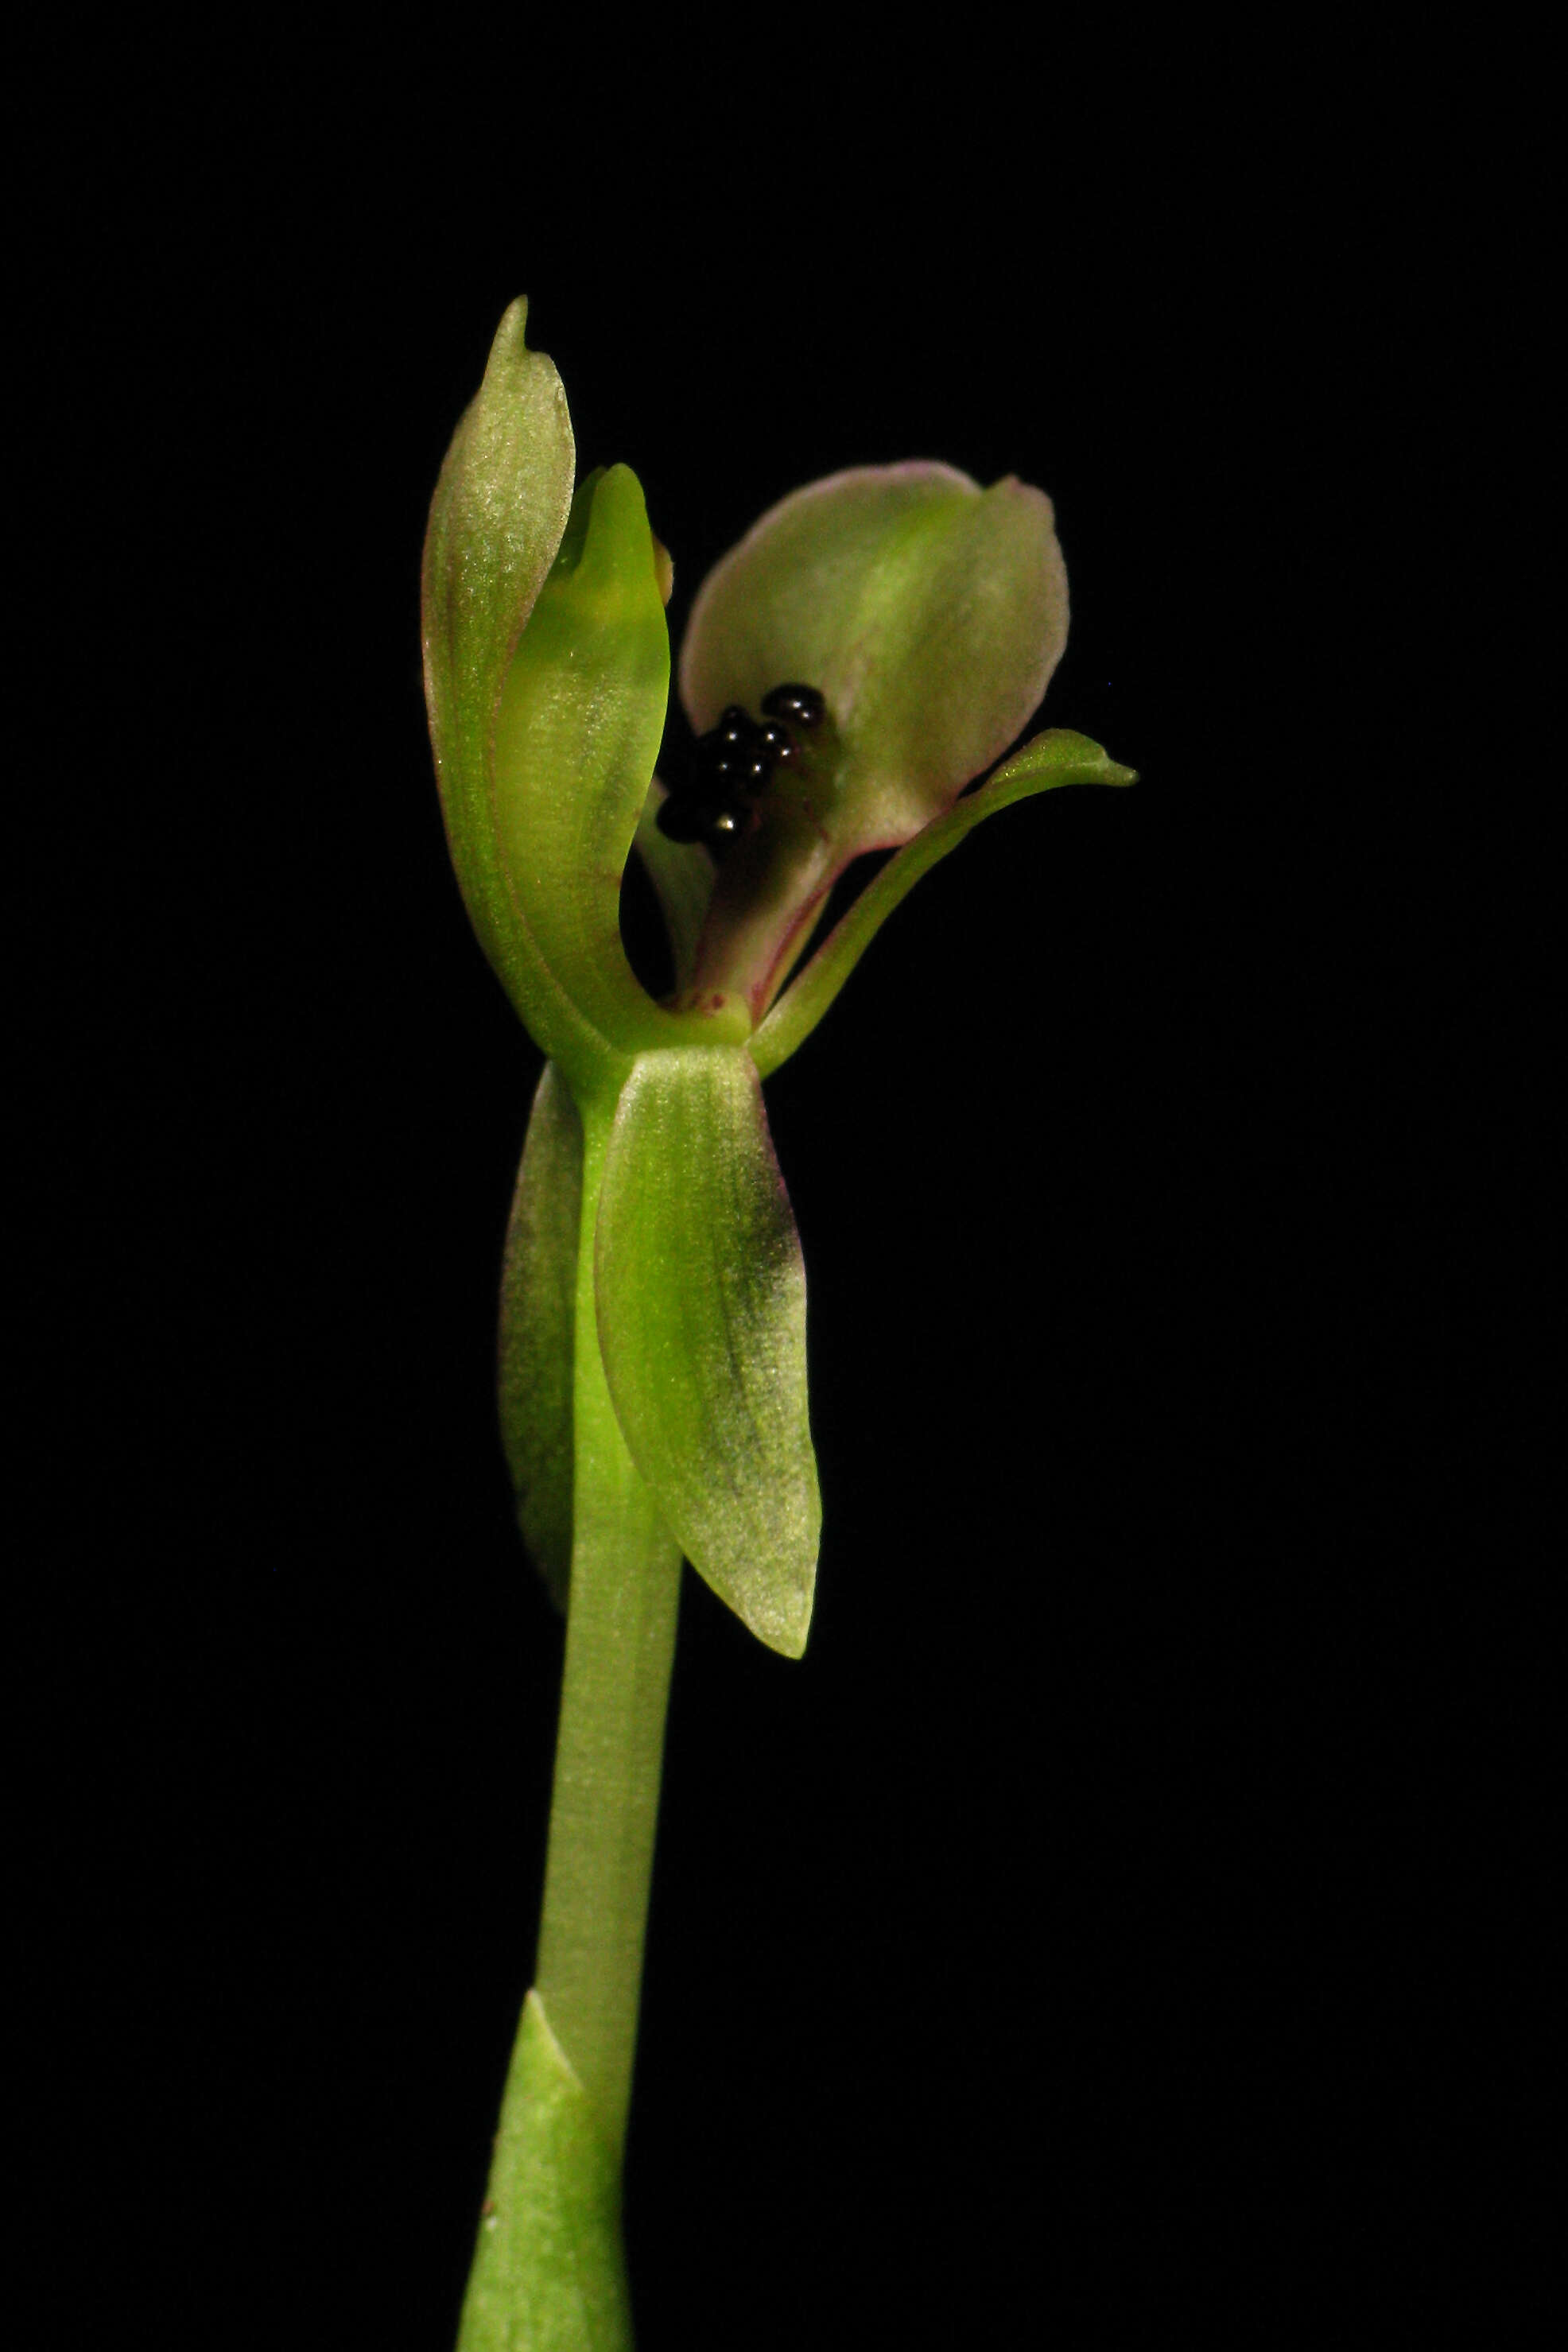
(870, 647)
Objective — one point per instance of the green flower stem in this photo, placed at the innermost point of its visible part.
(620, 1646)
(549, 2273)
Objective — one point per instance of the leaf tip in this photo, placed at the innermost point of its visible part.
(786, 1634)
(509, 343)
(779, 1613)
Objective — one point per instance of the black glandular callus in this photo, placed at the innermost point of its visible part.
(802, 706)
(715, 800)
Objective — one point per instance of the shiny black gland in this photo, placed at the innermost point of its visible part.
(736, 729)
(687, 816)
(717, 767)
(714, 800)
(776, 744)
(803, 705)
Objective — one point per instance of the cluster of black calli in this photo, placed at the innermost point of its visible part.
(714, 800)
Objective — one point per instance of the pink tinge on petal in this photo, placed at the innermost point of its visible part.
(929, 613)
(706, 677)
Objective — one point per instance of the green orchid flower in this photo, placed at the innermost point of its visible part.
(870, 648)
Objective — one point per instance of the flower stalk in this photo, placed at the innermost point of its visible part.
(549, 2250)
(620, 1647)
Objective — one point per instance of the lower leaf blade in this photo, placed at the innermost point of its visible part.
(700, 1300)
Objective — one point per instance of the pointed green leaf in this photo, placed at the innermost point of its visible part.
(538, 1295)
(1057, 756)
(549, 2274)
(700, 1299)
(577, 733)
(547, 672)
(496, 522)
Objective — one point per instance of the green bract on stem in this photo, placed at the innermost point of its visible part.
(870, 648)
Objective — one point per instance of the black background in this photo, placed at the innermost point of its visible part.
(1119, 1913)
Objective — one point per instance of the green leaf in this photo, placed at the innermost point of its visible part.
(549, 2274)
(538, 1293)
(700, 1302)
(1056, 757)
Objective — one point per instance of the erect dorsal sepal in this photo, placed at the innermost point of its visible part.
(547, 676)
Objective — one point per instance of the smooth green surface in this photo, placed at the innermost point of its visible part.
(538, 1308)
(701, 1313)
(620, 1643)
(1057, 756)
(548, 2272)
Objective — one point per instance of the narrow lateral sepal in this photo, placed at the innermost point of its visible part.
(538, 1302)
(1055, 758)
(700, 1303)
(549, 2274)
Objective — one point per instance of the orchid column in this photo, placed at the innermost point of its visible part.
(653, 1383)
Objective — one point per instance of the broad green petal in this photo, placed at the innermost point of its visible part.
(930, 614)
(700, 1299)
(1057, 756)
(538, 1293)
(549, 2274)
